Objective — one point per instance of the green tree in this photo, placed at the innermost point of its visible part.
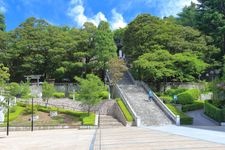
(2, 22)
(4, 74)
(47, 92)
(105, 47)
(188, 16)
(90, 90)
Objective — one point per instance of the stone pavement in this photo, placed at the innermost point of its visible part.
(67, 139)
(132, 138)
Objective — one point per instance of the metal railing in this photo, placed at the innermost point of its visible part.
(159, 102)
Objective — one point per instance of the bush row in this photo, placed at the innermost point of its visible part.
(124, 109)
(194, 106)
(214, 112)
(184, 119)
(13, 115)
(175, 91)
(59, 95)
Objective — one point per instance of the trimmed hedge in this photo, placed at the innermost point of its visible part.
(166, 99)
(88, 120)
(84, 118)
(59, 95)
(184, 119)
(195, 106)
(188, 96)
(124, 109)
(15, 114)
(172, 92)
(214, 112)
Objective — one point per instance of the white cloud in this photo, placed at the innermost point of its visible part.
(2, 6)
(77, 13)
(117, 20)
(169, 7)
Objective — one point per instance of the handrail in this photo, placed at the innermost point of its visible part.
(125, 99)
(169, 113)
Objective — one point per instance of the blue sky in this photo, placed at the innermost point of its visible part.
(75, 12)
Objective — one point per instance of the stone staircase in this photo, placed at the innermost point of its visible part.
(107, 121)
(149, 112)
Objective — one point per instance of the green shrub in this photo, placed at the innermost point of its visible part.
(166, 99)
(214, 112)
(184, 119)
(125, 111)
(104, 94)
(14, 89)
(59, 95)
(14, 115)
(28, 109)
(13, 109)
(175, 91)
(185, 98)
(195, 93)
(195, 106)
(88, 120)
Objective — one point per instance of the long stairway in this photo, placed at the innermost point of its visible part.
(149, 112)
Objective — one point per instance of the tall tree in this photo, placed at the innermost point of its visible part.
(188, 17)
(105, 47)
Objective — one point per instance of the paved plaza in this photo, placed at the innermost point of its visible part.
(123, 138)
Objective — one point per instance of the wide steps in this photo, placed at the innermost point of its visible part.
(107, 121)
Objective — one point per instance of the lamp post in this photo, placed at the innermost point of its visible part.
(32, 116)
(7, 129)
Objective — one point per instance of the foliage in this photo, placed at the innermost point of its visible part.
(14, 89)
(125, 111)
(214, 112)
(117, 67)
(47, 91)
(88, 119)
(194, 106)
(175, 91)
(28, 109)
(14, 115)
(188, 96)
(4, 75)
(184, 119)
(104, 94)
(166, 99)
(59, 95)
(2, 22)
(90, 90)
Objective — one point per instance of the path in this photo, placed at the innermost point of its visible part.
(133, 138)
(47, 140)
(200, 119)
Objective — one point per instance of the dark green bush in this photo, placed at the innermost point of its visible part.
(166, 99)
(184, 119)
(214, 112)
(195, 106)
(124, 109)
(175, 91)
(59, 95)
(28, 109)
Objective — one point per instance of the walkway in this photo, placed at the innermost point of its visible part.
(66, 139)
(200, 119)
(133, 138)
